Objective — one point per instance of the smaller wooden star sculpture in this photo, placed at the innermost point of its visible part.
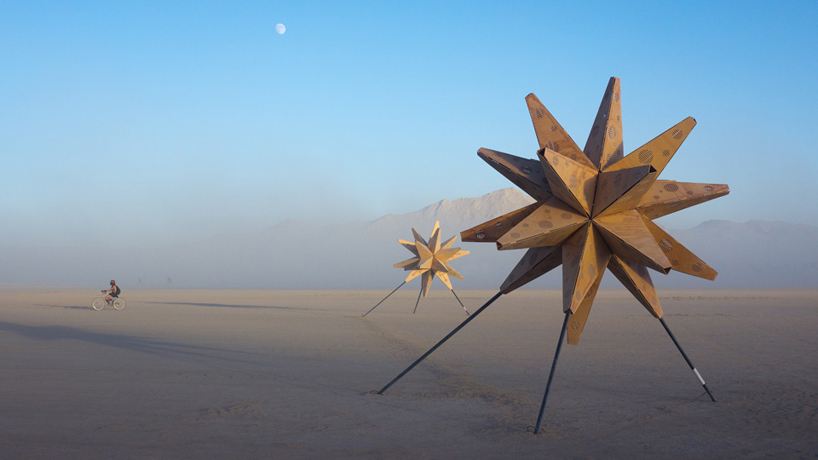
(431, 259)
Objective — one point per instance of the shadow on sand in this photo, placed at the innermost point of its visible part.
(125, 342)
(73, 307)
(223, 305)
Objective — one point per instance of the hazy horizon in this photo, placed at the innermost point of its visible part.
(151, 124)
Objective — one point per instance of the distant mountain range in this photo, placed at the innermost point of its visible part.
(359, 255)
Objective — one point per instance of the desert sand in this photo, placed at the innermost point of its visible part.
(287, 374)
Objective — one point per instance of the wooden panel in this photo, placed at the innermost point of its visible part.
(448, 243)
(491, 231)
(423, 251)
(584, 258)
(549, 225)
(452, 272)
(571, 182)
(550, 134)
(409, 245)
(434, 241)
(408, 264)
(613, 185)
(604, 145)
(426, 282)
(523, 172)
(636, 279)
(629, 238)
(577, 320)
(417, 236)
(658, 151)
(445, 278)
(666, 197)
(535, 263)
(631, 198)
(681, 259)
(446, 255)
(414, 274)
(438, 266)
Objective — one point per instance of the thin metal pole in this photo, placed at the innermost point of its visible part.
(431, 350)
(461, 303)
(376, 305)
(551, 375)
(699, 376)
(416, 303)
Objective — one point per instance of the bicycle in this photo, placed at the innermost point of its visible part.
(99, 302)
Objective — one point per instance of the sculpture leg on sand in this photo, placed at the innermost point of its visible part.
(693, 368)
(376, 305)
(461, 303)
(418, 301)
(551, 375)
(431, 350)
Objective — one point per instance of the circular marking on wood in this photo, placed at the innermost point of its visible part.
(515, 235)
(655, 197)
(671, 187)
(645, 156)
(553, 128)
(708, 188)
(553, 146)
(525, 224)
(545, 224)
(480, 236)
(674, 262)
(575, 326)
(616, 96)
(572, 181)
(677, 133)
(538, 112)
(611, 132)
(697, 268)
(565, 216)
(666, 245)
(666, 153)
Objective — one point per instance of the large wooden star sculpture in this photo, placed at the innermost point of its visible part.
(431, 259)
(595, 210)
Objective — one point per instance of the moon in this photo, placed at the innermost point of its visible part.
(280, 29)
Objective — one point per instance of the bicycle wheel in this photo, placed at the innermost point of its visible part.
(119, 303)
(98, 303)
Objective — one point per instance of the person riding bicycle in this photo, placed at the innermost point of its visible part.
(112, 293)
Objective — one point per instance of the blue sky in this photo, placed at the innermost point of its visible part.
(150, 123)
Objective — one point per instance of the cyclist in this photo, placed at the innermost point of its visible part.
(113, 293)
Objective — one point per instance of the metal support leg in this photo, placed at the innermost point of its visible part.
(416, 303)
(699, 376)
(551, 375)
(461, 303)
(376, 305)
(431, 350)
